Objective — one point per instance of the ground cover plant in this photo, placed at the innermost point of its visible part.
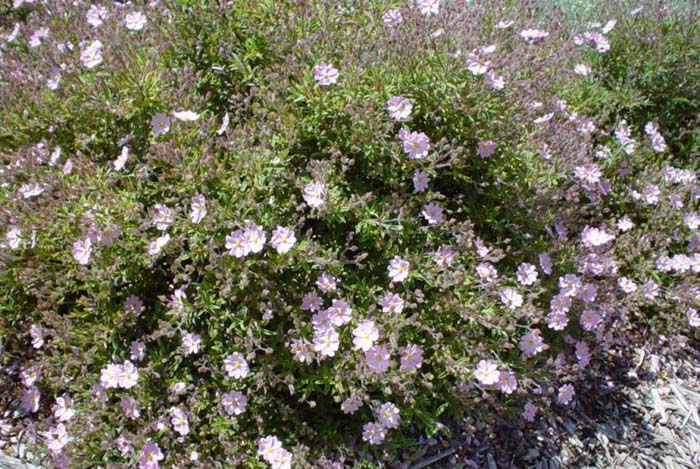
(301, 234)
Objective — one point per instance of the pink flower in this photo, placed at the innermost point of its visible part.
(416, 145)
(486, 372)
(486, 148)
(365, 334)
(283, 239)
(63, 408)
(444, 256)
(420, 180)
(650, 290)
(82, 250)
(326, 283)
(531, 35)
(32, 189)
(236, 244)
(160, 124)
(557, 320)
(311, 302)
(30, 400)
(529, 411)
(373, 433)
(95, 15)
(157, 244)
(179, 420)
(399, 269)
(391, 303)
(595, 237)
(56, 438)
(177, 299)
(486, 272)
(531, 344)
(378, 359)
(236, 366)
(350, 405)
(388, 415)
(511, 298)
(269, 448)
(693, 317)
(322, 320)
(326, 342)
(325, 74)
(340, 313)
(150, 455)
(526, 274)
(162, 216)
(411, 357)
(507, 382)
(135, 21)
(254, 238)
(583, 354)
(133, 305)
(199, 209)
(37, 335)
(137, 351)
(186, 116)
(569, 285)
(428, 7)
(545, 263)
(109, 376)
(588, 293)
(91, 55)
(494, 81)
(566, 394)
(130, 407)
(191, 343)
(301, 350)
(399, 108)
(128, 375)
(432, 213)
(392, 19)
(234, 402)
(30, 375)
(315, 194)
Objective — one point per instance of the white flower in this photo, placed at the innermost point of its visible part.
(199, 208)
(95, 15)
(32, 189)
(14, 237)
(135, 21)
(283, 239)
(315, 194)
(487, 372)
(365, 334)
(399, 269)
(91, 56)
(428, 7)
(157, 244)
(121, 161)
(186, 116)
(399, 108)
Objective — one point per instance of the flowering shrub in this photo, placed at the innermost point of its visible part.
(263, 233)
